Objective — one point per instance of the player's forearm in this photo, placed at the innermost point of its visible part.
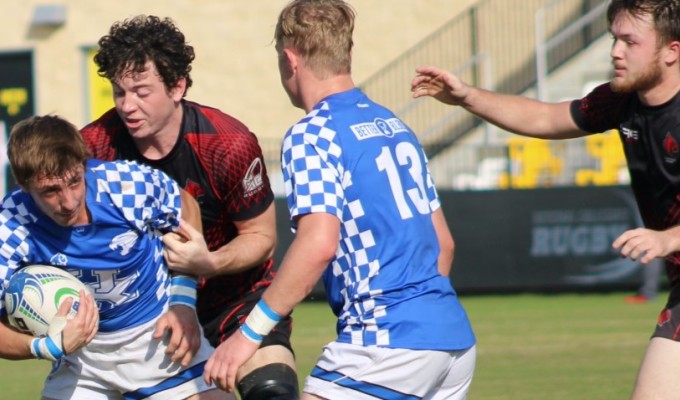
(246, 251)
(298, 274)
(15, 345)
(309, 254)
(523, 115)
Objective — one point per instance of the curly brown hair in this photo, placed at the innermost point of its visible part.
(133, 42)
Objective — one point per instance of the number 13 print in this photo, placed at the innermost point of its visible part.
(406, 155)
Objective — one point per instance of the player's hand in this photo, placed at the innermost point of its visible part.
(78, 330)
(186, 251)
(181, 325)
(225, 361)
(440, 84)
(645, 244)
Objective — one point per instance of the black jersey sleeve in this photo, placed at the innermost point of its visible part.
(600, 110)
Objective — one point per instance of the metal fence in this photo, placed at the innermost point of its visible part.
(498, 45)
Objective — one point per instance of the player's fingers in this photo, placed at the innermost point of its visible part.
(207, 370)
(65, 307)
(181, 349)
(187, 230)
(161, 327)
(221, 378)
(231, 379)
(171, 239)
(627, 236)
(188, 356)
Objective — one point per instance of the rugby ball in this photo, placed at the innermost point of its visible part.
(33, 296)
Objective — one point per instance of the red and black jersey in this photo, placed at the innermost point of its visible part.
(219, 162)
(650, 136)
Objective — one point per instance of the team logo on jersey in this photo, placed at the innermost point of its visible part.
(124, 242)
(59, 259)
(630, 135)
(664, 317)
(378, 128)
(670, 146)
(194, 189)
(253, 181)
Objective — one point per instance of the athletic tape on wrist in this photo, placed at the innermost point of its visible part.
(50, 347)
(183, 291)
(260, 322)
(46, 348)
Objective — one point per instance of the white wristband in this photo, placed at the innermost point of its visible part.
(260, 322)
(183, 291)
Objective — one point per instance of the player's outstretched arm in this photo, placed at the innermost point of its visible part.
(517, 114)
(440, 84)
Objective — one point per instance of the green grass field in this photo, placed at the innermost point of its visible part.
(529, 347)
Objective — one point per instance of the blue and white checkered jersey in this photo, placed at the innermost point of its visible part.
(118, 255)
(354, 159)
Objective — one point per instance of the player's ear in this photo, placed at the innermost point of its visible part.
(290, 60)
(177, 92)
(672, 53)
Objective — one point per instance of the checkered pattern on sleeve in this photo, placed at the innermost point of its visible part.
(147, 197)
(311, 164)
(13, 239)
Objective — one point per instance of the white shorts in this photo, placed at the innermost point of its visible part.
(350, 372)
(128, 364)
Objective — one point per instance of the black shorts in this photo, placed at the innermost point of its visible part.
(668, 323)
(226, 323)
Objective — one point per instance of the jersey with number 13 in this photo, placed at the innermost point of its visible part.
(354, 159)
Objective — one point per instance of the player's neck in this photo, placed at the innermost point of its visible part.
(320, 89)
(662, 92)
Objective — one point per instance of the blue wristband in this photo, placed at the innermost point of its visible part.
(183, 291)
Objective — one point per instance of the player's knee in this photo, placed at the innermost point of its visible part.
(271, 382)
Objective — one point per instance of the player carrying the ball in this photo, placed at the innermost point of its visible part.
(103, 222)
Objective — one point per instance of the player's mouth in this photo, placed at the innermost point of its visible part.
(133, 123)
(619, 70)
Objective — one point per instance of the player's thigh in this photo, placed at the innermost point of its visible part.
(658, 375)
(216, 394)
(275, 354)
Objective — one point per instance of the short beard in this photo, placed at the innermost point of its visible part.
(650, 78)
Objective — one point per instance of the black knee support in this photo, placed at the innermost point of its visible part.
(272, 382)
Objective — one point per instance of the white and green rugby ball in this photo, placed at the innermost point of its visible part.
(33, 296)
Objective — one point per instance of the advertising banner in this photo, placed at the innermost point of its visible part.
(16, 103)
(540, 240)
